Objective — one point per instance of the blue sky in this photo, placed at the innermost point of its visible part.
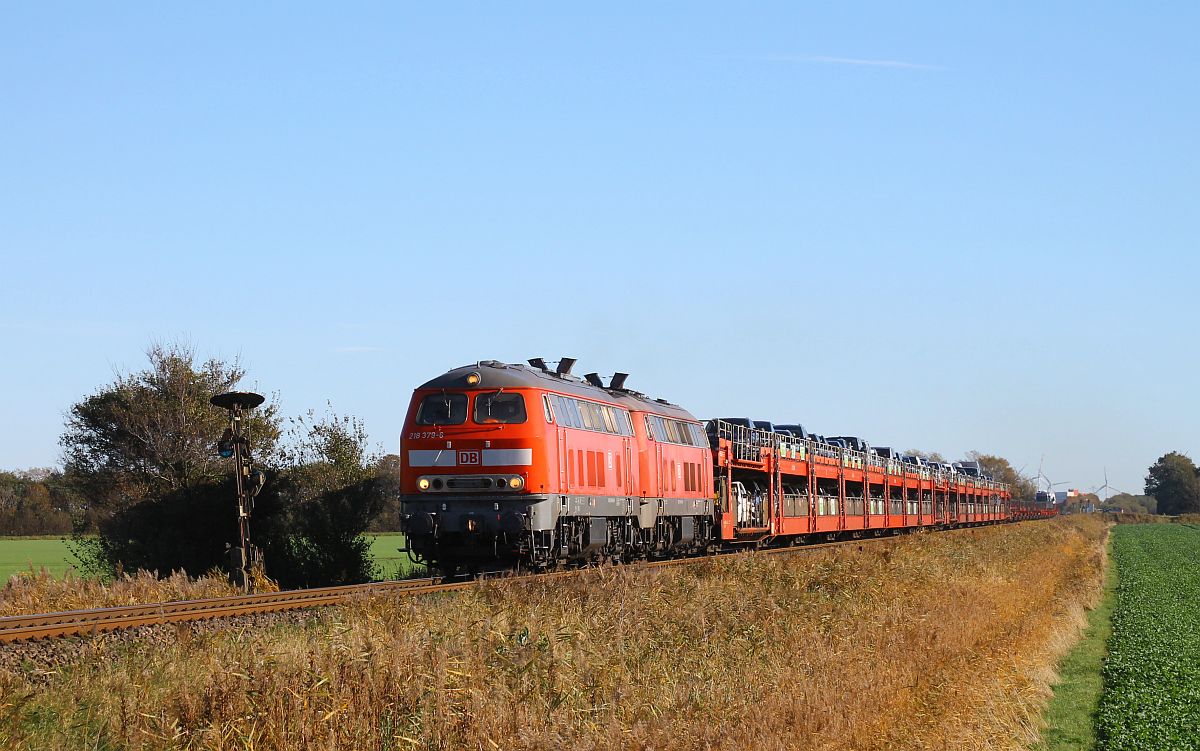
(949, 228)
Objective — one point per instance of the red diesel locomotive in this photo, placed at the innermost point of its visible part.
(526, 465)
(506, 464)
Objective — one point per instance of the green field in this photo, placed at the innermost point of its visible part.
(17, 553)
(390, 563)
(1151, 697)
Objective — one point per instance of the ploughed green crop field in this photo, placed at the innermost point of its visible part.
(18, 553)
(1151, 697)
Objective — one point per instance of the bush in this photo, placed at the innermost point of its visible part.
(181, 531)
(319, 541)
(307, 539)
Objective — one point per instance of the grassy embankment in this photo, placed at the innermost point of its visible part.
(1070, 718)
(25, 554)
(935, 641)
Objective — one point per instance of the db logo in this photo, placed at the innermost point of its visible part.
(468, 457)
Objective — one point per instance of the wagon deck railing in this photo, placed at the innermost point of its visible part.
(748, 443)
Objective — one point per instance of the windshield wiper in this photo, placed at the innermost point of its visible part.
(491, 400)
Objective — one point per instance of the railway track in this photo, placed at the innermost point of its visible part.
(87, 622)
(20, 628)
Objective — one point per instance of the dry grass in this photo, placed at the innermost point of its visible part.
(40, 592)
(1132, 518)
(940, 641)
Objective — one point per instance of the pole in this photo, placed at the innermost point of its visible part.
(236, 443)
(241, 446)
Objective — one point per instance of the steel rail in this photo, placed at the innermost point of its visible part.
(18, 628)
(97, 620)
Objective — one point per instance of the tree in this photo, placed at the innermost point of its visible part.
(151, 433)
(1174, 482)
(1131, 504)
(332, 488)
(34, 502)
(145, 447)
(387, 471)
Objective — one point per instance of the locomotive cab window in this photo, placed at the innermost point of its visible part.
(499, 407)
(442, 409)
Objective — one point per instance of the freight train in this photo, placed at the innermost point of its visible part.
(520, 465)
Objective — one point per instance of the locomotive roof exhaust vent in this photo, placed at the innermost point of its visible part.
(594, 379)
(618, 381)
(565, 365)
(538, 363)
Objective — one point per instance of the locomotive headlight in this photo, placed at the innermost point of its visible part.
(515, 483)
(423, 483)
(473, 379)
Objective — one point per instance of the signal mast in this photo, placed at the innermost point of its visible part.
(235, 442)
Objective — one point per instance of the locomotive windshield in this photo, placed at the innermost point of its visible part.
(497, 406)
(443, 409)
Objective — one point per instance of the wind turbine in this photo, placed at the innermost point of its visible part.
(1041, 476)
(1106, 487)
(1050, 486)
